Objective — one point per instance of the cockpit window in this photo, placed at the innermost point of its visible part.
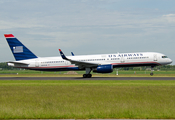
(164, 57)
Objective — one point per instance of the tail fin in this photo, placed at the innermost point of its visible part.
(72, 54)
(19, 51)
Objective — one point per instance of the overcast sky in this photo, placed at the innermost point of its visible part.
(88, 26)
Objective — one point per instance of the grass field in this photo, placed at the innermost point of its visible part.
(84, 99)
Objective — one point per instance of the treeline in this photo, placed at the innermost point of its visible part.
(4, 66)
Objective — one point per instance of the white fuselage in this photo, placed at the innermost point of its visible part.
(117, 60)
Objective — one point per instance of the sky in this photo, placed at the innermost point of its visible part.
(88, 26)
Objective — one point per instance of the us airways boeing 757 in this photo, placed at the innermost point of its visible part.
(101, 63)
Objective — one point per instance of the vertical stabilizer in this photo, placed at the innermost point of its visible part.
(19, 51)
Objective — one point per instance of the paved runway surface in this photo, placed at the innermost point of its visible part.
(93, 78)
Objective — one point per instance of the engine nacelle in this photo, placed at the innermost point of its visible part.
(104, 69)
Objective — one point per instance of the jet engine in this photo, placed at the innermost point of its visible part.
(104, 69)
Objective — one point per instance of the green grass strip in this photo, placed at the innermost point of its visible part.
(86, 99)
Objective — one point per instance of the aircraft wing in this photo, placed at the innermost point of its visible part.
(72, 54)
(80, 64)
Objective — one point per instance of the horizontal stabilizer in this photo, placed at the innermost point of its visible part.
(16, 62)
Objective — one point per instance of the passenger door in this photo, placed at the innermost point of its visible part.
(122, 60)
(155, 57)
(36, 63)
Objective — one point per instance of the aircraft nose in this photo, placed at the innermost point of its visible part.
(170, 61)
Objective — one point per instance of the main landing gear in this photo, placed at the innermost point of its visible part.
(152, 71)
(87, 75)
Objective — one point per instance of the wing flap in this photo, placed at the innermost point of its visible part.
(83, 64)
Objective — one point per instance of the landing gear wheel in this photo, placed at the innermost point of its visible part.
(84, 75)
(152, 70)
(87, 75)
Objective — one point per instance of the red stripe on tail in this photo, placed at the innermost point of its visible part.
(8, 35)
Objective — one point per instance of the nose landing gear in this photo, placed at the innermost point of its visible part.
(151, 74)
(152, 71)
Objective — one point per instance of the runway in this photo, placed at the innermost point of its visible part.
(93, 78)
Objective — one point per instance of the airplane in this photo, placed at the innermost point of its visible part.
(101, 63)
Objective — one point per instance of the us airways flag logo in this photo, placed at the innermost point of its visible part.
(18, 49)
